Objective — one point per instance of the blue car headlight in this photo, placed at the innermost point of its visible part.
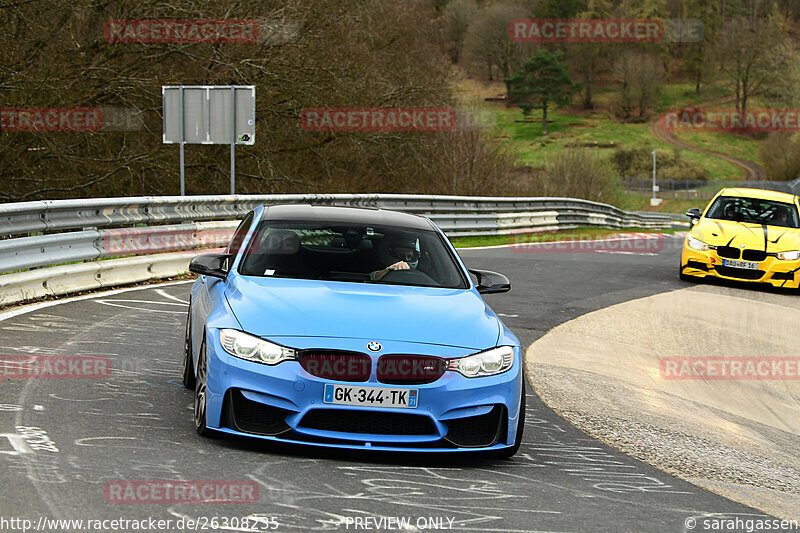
(488, 363)
(251, 348)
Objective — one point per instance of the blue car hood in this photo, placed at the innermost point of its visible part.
(275, 307)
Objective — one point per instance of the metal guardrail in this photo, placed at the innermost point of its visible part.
(60, 215)
(87, 245)
(46, 233)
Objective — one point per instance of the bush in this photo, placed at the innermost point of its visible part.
(579, 173)
(637, 162)
(780, 154)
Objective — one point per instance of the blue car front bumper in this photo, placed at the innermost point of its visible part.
(285, 403)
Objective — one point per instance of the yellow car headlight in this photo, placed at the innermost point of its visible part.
(794, 255)
(697, 244)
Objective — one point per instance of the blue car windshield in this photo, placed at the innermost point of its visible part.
(755, 211)
(337, 251)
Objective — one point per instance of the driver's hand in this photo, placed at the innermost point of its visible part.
(400, 265)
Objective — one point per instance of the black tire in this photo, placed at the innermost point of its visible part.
(508, 453)
(188, 363)
(200, 393)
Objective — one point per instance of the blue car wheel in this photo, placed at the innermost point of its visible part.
(201, 392)
(188, 365)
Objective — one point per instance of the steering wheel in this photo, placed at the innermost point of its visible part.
(412, 277)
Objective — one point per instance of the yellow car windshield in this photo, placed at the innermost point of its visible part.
(754, 211)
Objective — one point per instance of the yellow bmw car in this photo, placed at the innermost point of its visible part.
(745, 235)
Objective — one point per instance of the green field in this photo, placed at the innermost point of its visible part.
(603, 132)
(597, 130)
(669, 205)
(678, 95)
(724, 143)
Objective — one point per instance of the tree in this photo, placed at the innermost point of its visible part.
(458, 15)
(559, 9)
(749, 53)
(345, 53)
(543, 80)
(644, 8)
(784, 91)
(487, 41)
(789, 8)
(697, 57)
(586, 58)
(640, 75)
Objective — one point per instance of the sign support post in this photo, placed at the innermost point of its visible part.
(233, 140)
(182, 141)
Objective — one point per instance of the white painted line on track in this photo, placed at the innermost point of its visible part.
(43, 305)
(182, 304)
(168, 296)
(123, 305)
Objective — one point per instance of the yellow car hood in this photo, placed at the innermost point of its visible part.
(752, 236)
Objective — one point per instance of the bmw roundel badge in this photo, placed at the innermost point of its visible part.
(374, 346)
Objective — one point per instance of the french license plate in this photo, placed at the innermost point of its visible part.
(749, 265)
(375, 396)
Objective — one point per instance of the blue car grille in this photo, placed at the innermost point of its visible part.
(401, 369)
(368, 422)
(336, 365)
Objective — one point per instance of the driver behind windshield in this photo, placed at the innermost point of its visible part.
(404, 249)
(780, 218)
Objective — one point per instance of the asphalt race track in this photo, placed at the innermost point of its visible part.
(137, 425)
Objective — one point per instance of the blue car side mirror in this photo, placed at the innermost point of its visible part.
(491, 282)
(214, 265)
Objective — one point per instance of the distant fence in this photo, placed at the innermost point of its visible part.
(702, 190)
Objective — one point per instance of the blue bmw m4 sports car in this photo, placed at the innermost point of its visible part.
(351, 328)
